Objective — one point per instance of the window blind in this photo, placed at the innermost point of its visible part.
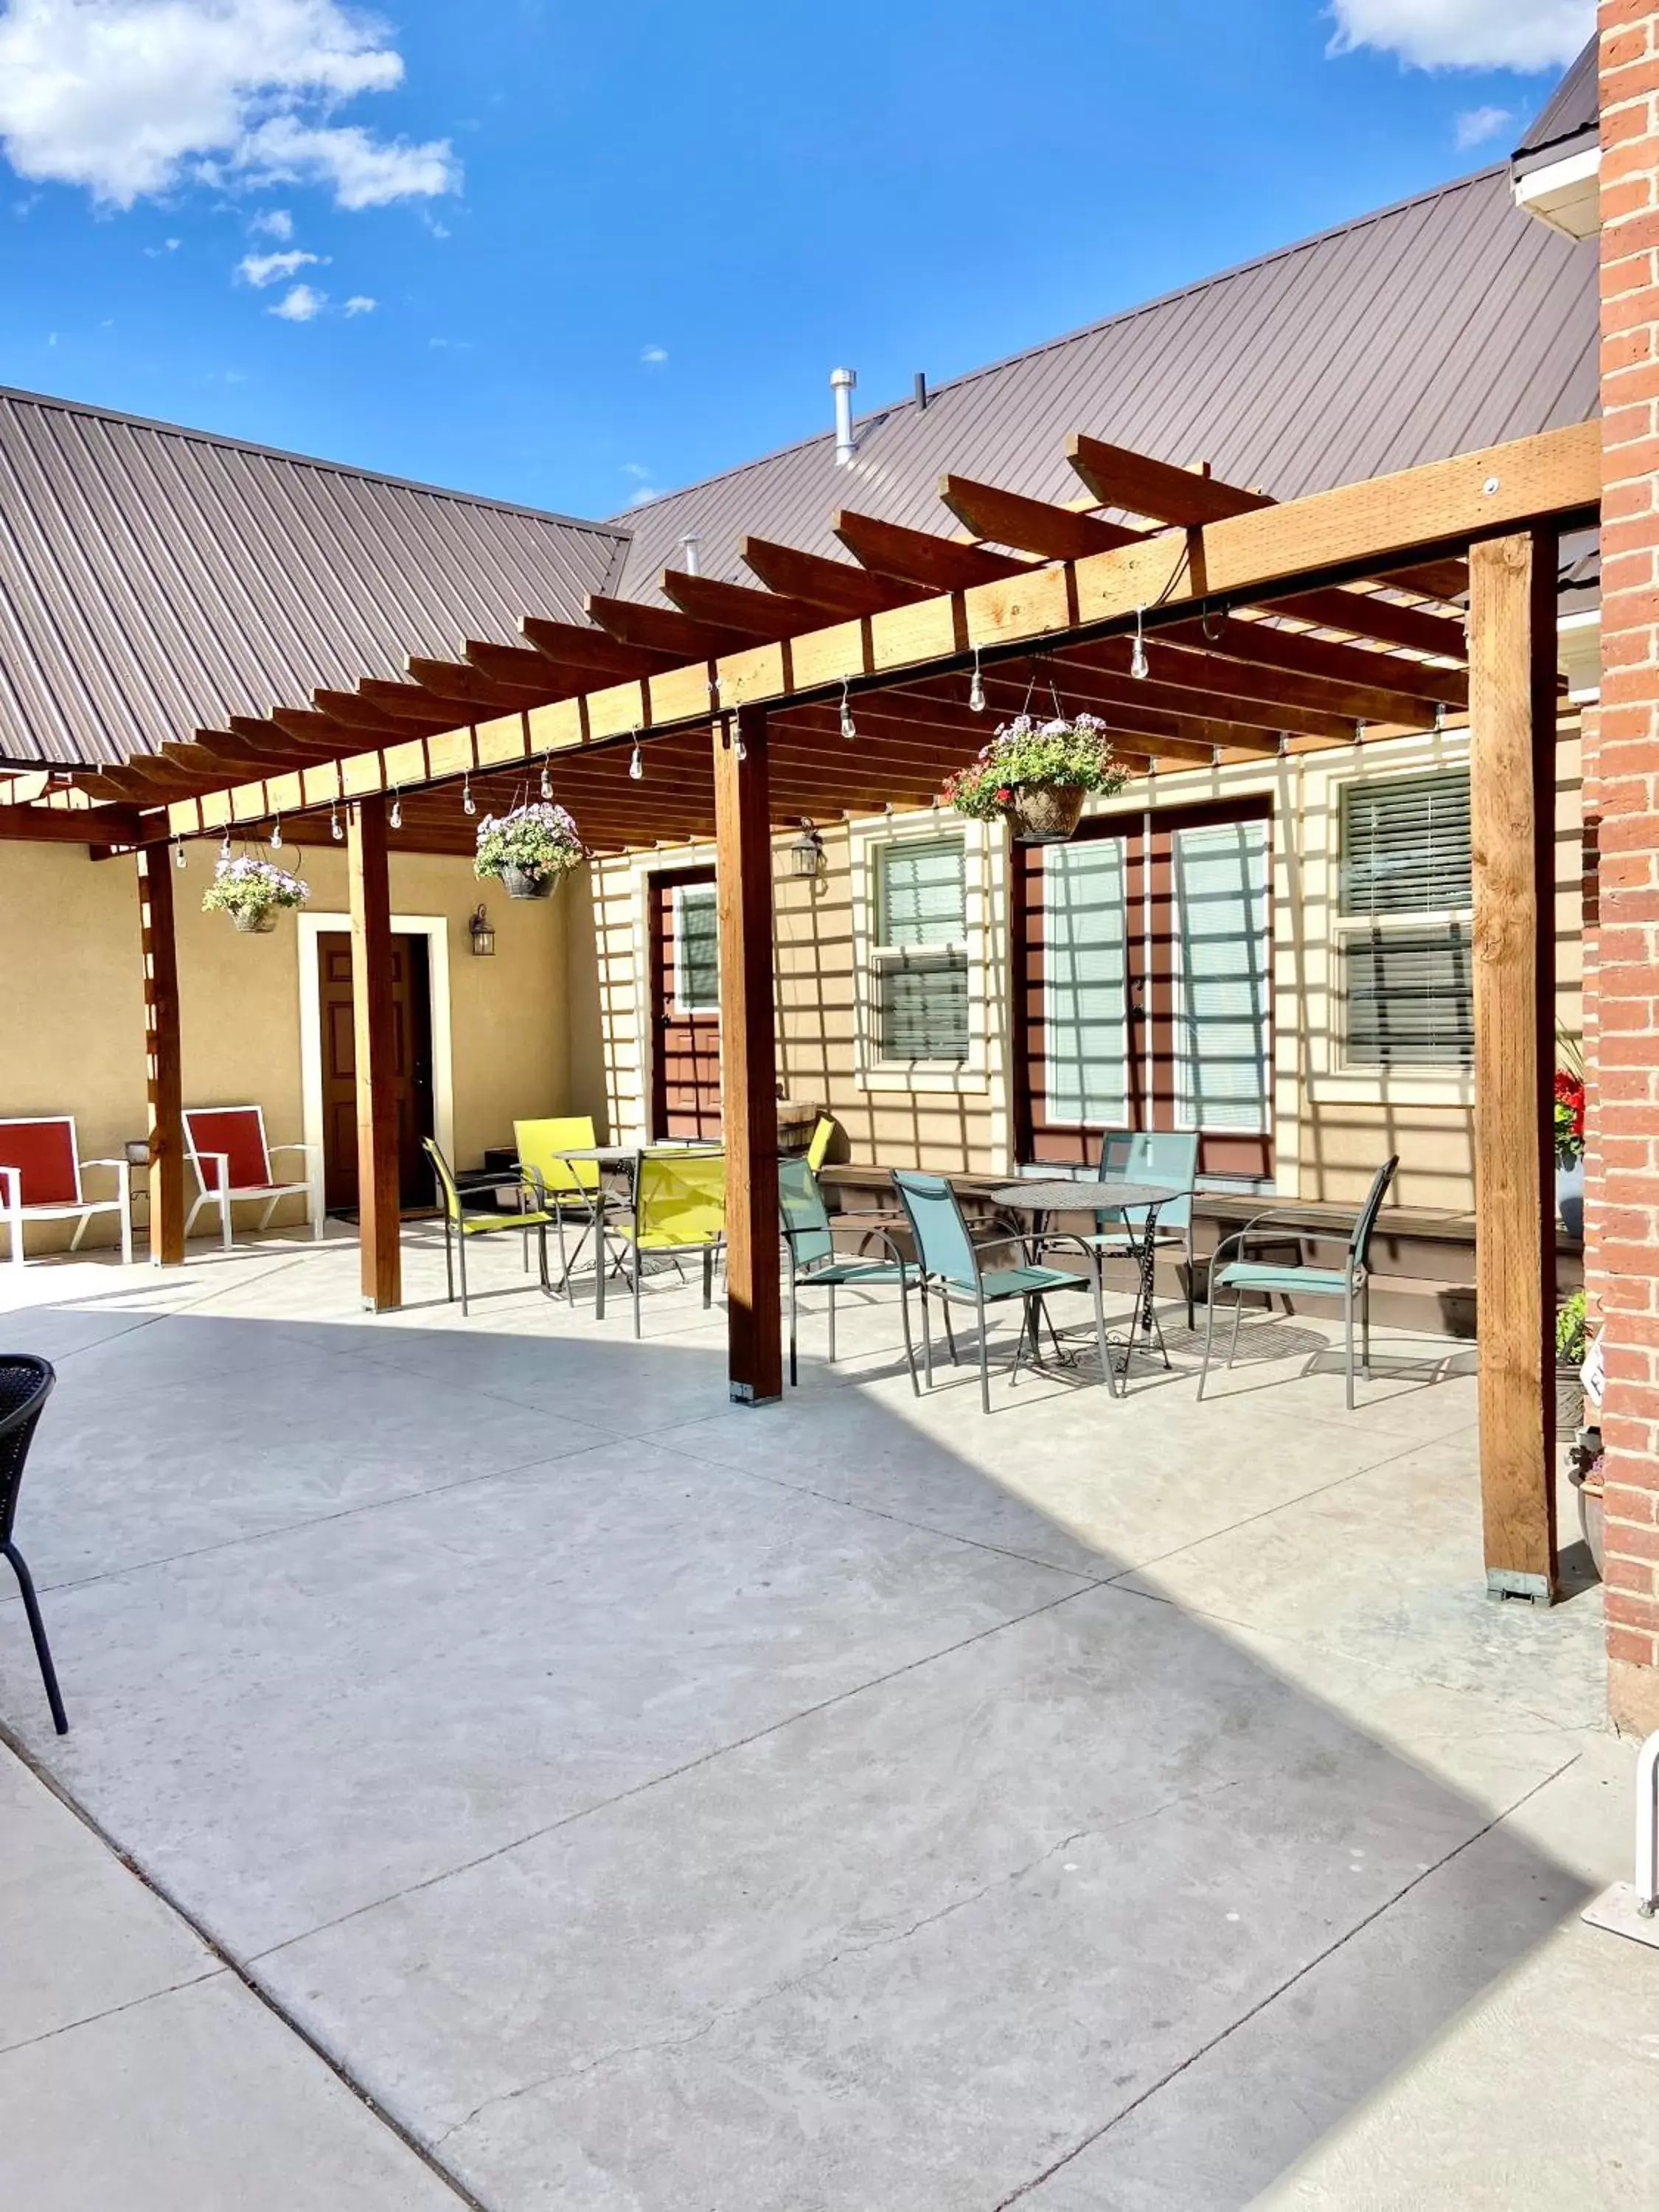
(1411, 997)
(921, 896)
(1084, 999)
(1221, 1031)
(696, 950)
(924, 1006)
(1405, 844)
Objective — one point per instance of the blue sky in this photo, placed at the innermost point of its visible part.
(568, 255)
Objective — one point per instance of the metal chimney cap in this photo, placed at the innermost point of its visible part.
(840, 378)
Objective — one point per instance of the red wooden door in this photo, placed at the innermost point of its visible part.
(1142, 982)
(685, 977)
(411, 1004)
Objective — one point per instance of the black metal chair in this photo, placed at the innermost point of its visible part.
(25, 1383)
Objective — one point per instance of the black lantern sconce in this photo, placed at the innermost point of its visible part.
(483, 935)
(806, 854)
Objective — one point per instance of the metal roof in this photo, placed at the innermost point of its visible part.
(1573, 111)
(154, 580)
(1448, 322)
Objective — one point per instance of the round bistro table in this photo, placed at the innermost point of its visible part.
(1063, 1196)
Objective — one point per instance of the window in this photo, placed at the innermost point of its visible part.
(1224, 949)
(1085, 1003)
(696, 950)
(1404, 906)
(919, 954)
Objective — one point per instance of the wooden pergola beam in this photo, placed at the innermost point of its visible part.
(665, 630)
(1351, 676)
(375, 1039)
(1031, 526)
(759, 616)
(46, 825)
(163, 1059)
(576, 645)
(835, 588)
(920, 556)
(1368, 616)
(1119, 477)
(517, 667)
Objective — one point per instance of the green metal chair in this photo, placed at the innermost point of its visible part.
(564, 1190)
(462, 1221)
(814, 1263)
(678, 1205)
(1167, 1160)
(949, 1261)
(1350, 1281)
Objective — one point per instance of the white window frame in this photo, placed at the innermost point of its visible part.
(1345, 927)
(706, 894)
(867, 841)
(1186, 1103)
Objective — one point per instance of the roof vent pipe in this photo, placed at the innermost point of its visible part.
(688, 556)
(841, 381)
(921, 387)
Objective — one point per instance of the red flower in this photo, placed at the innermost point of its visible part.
(1004, 796)
(1570, 1093)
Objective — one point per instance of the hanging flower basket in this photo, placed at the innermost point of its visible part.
(1570, 1150)
(252, 893)
(1036, 775)
(529, 850)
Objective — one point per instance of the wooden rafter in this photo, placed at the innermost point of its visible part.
(758, 616)
(577, 646)
(919, 557)
(834, 588)
(664, 628)
(1030, 525)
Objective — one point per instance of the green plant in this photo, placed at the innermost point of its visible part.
(1571, 1331)
(539, 839)
(1071, 751)
(242, 885)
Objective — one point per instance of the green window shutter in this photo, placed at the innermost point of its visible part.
(1084, 994)
(921, 895)
(1223, 947)
(1411, 997)
(1405, 844)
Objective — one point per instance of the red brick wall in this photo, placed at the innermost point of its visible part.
(1621, 794)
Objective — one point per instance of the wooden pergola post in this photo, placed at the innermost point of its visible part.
(378, 1208)
(1512, 729)
(164, 1080)
(748, 1056)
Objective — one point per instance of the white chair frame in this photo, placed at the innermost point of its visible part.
(212, 1191)
(16, 1214)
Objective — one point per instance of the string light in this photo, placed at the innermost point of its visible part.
(1358, 732)
(179, 852)
(977, 688)
(849, 729)
(276, 835)
(1439, 717)
(636, 763)
(1138, 667)
(469, 804)
(224, 846)
(334, 830)
(547, 782)
(397, 814)
(741, 749)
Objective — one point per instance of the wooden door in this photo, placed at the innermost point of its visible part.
(411, 1005)
(1143, 955)
(685, 1005)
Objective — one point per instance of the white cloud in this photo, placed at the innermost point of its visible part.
(653, 356)
(262, 269)
(1476, 125)
(644, 495)
(301, 304)
(361, 304)
(1510, 34)
(131, 98)
(275, 222)
(637, 469)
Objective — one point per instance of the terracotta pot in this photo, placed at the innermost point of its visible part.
(1047, 813)
(522, 885)
(254, 920)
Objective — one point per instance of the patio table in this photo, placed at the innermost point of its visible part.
(1109, 1196)
(613, 1159)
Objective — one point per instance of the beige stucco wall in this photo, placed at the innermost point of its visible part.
(1332, 1124)
(71, 1007)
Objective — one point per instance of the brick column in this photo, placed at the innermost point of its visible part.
(1621, 796)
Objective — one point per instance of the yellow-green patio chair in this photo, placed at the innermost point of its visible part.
(564, 1190)
(818, 1150)
(462, 1221)
(678, 1205)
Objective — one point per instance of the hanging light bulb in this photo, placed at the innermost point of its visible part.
(547, 782)
(742, 750)
(1439, 717)
(469, 804)
(1359, 733)
(179, 852)
(334, 830)
(396, 815)
(276, 835)
(224, 846)
(636, 763)
(1138, 657)
(977, 688)
(849, 729)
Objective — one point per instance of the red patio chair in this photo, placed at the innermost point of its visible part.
(228, 1150)
(40, 1170)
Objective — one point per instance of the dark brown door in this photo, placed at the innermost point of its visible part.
(1143, 962)
(411, 1003)
(685, 1001)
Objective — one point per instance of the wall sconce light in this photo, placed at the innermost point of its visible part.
(482, 936)
(806, 854)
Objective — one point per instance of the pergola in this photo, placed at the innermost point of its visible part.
(838, 686)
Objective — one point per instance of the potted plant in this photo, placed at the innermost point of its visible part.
(1569, 1148)
(252, 893)
(1037, 774)
(530, 849)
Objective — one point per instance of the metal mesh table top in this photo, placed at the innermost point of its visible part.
(1069, 1197)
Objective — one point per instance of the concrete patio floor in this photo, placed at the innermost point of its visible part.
(857, 1803)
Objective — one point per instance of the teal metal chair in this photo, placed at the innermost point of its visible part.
(814, 1263)
(950, 1262)
(1350, 1282)
(1167, 1160)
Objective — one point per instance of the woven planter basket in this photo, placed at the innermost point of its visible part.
(521, 885)
(254, 920)
(1046, 813)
